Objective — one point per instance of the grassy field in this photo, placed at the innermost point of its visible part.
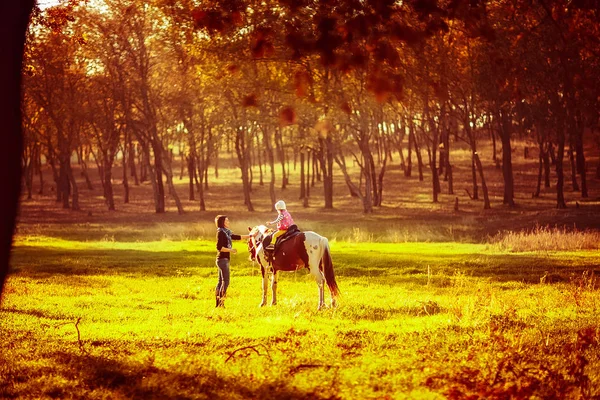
(105, 319)
(436, 303)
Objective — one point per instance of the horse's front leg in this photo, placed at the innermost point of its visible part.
(274, 287)
(264, 287)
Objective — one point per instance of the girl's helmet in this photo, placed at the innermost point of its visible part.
(280, 205)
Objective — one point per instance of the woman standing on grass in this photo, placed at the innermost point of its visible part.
(224, 237)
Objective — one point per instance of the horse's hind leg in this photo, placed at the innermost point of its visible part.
(320, 283)
(274, 287)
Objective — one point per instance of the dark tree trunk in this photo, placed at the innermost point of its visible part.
(132, 168)
(191, 175)
(302, 175)
(74, 189)
(38, 168)
(574, 183)
(546, 158)
(84, 169)
(125, 178)
(201, 176)
(560, 196)
(326, 160)
(108, 187)
(580, 161)
(158, 170)
(507, 171)
(484, 189)
(15, 15)
(419, 157)
(281, 153)
(63, 182)
(538, 187)
(474, 178)
(271, 161)
(411, 139)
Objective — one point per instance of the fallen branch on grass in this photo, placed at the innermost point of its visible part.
(79, 336)
(297, 368)
(253, 348)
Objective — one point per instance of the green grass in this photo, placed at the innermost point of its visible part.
(111, 319)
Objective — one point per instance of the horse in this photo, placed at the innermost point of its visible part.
(305, 250)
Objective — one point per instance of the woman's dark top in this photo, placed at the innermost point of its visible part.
(224, 237)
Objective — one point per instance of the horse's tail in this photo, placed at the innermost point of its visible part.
(327, 268)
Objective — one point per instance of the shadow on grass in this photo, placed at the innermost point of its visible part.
(384, 268)
(32, 312)
(41, 262)
(125, 380)
(409, 268)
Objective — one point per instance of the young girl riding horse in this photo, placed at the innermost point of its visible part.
(284, 220)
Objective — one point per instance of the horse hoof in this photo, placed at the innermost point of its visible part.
(261, 305)
(273, 304)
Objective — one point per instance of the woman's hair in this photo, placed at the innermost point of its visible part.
(220, 221)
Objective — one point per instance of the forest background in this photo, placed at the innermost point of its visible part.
(463, 136)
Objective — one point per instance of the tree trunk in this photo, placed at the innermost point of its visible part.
(484, 189)
(74, 189)
(326, 161)
(474, 178)
(38, 168)
(546, 158)
(191, 167)
(281, 153)
(64, 186)
(419, 157)
(158, 170)
(540, 170)
(168, 170)
(411, 139)
(574, 183)
(580, 160)
(201, 176)
(132, 168)
(560, 196)
(302, 176)
(367, 206)
(507, 172)
(15, 16)
(125, 178)
(271, 161)
(242, 154)
(108, 187)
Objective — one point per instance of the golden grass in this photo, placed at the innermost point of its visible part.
(544, 238)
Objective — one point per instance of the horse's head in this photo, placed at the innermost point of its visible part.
(257, 234)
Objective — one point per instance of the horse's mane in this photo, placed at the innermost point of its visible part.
(259, 228)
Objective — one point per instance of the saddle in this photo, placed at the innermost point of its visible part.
(270, 252)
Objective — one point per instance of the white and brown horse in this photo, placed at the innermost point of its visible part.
(305, 250)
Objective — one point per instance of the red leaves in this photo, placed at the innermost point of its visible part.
(250, 101)
(262, 46)
(232, 68)
(301, 83)
(212, 21)
(406, 34)
(345, 107)
(217, 21)
(384, 87)
(287, 116)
